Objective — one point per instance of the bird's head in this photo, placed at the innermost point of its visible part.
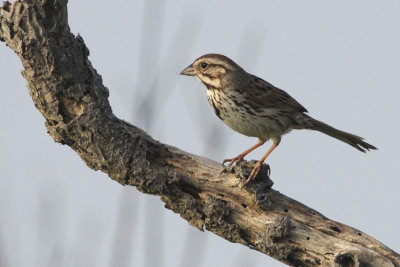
(215, 71)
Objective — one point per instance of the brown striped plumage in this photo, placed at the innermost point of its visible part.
(254, 107)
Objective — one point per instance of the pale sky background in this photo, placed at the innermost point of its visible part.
(340, 59)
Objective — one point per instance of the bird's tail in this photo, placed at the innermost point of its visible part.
(351, 139)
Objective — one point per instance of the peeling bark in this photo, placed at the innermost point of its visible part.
(70, 94)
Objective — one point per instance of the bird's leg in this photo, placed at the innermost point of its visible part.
(239, 158)
(258, 165)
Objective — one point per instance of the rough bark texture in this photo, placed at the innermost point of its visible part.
(69, 93)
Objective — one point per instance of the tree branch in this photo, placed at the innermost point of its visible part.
(69, 93)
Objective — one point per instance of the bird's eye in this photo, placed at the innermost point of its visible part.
(203, 65)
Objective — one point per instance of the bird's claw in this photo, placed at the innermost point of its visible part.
(237, 159)
(256, 169)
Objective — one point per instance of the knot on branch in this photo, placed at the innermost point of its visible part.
(360, 258)
(260, 186)
(346, 260)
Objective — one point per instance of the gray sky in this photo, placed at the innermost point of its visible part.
(340, 59)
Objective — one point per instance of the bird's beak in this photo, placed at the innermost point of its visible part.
(189, 71)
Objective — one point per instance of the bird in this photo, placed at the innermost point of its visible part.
(255, 108)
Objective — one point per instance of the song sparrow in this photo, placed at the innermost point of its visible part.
(254, 107)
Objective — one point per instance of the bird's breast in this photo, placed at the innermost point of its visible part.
(238, 114)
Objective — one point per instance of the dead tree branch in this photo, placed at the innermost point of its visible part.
(69, 93)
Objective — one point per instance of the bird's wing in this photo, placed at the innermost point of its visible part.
(265, 95)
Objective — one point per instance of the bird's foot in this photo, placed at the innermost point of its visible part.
(256, 169)
(229, 167)
(237, 159)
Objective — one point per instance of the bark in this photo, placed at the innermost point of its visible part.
(69, 93)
